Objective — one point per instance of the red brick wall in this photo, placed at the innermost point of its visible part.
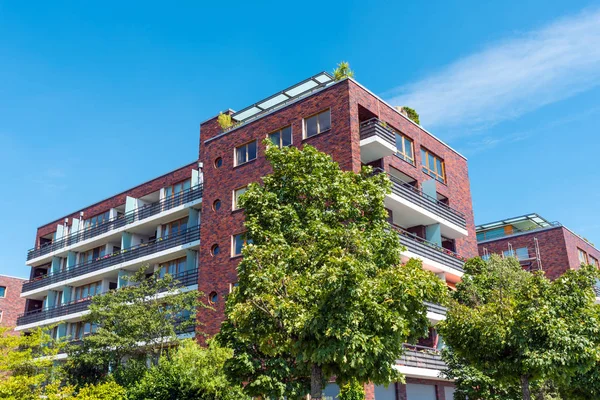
(12, 304)
(558, 248)
(401, 388)
(119, 199)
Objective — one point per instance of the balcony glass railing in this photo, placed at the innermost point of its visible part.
(421, 357)
(417, 196)
(427, 249)
(165, 242)
(138, 214)
(186, 278)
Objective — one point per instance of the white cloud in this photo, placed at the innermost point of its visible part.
(510, 78)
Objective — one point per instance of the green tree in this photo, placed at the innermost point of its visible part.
(26, 364)
(343, 71)
(191, 372)
(322, 291)
(412, 114)
(521, 329)
(134, 323)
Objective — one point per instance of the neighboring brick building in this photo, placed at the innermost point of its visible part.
(537, 243)
(157, 222)
(11, 302)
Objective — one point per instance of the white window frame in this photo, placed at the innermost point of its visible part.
(319, 131)
(245, 145)
(234, 198)
(280, 132)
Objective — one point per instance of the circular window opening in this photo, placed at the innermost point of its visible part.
(218, 162)
(217, 205)
(213, 297)
(215, 250)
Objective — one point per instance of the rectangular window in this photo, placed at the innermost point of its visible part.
(485, 257)
(594, 261)
(282, 137)
(508, 253)
(316, 124)
(582, 256)
(523, 253)
(96, 220)
(245, 153)
(173, 192)
(173, 267)
(89, 290)
(92, 255)
(236, 196)
(2, 291)
(174, 228)
(238, 243)
(1, 312)
(404, 148)
(433, 165)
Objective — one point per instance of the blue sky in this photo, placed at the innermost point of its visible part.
(95, 98)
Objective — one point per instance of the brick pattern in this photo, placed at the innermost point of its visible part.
(558, 249)
(119, 199)
(12, 304)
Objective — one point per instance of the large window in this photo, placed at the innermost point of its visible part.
(2, 291)
(89, 290)
(238, 243)
(78, 330)
(173, 267)
(317, 124)
(96, 220)
(404, 148)
(582, 256)
(433, 165)
(282, 137)
(173, 192)
(594, 261)
(92, 255)
(245, 153)
(175, 227)
(236, 196)
(523, 253)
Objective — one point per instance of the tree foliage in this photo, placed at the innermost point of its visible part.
(322, 291)
(225, 121)
(134, 323)
(343, 71)
(515, 328)
(412, 114)
(189, 373)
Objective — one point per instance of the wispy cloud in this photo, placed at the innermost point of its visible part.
(510, 78)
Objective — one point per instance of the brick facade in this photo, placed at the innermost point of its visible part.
(11, 304)
(105, 205)
(558, 249)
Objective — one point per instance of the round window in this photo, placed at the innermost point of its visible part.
(218, 162)
(213, 297)
(217, 205)
(214, 250)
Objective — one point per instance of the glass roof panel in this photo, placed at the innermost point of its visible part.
(322, 78)
(280, 98)
(301, 88)
(247, 113)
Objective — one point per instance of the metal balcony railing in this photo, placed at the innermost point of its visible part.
(165, 242)
(185, 278)
(436, 308)
(411, 193)
(421, 357)
(137, 214)
(374, 127)
(430, 250)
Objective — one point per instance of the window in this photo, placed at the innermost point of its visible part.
(213, 297)
(282, 137)
(404, 148)
(92, 255)
(2, 291)
(594, 261)
(89, 290)
(173, 267)
(173, 193)
(78, 330)
(433, 165)
(96, 220)
(316, 124)
(217, 205)
(238, 243)
(236, 196)
(508, 253)
(215, 250)
(582, 256)
(218, 162)
(245, 153)
(523, 253)
(175, 227)
(485, 257)
(1, 312)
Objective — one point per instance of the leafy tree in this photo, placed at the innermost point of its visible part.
(225, 121)
(322, 291)
(26, 365)
(519, 328)
(191, 372)
(343, 71)
(412, 114)
(134, 323)
(352, 390)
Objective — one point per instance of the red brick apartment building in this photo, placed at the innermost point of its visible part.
(537, 243)
(11, 302)
(187, 222)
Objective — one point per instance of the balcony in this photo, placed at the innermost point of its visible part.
(427, 251)
(132, 216)
(186, 278)
(421, 357)
(376, 141)
(163, 243)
